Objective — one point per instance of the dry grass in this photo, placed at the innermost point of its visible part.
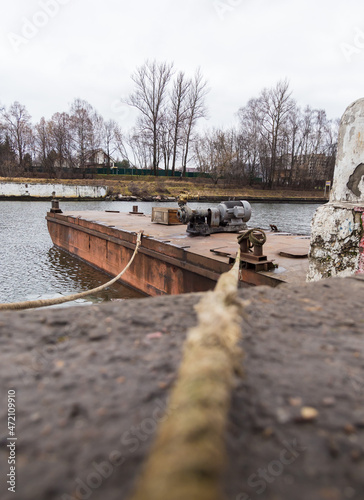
(144, 186)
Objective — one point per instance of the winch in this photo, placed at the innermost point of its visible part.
(228, 216)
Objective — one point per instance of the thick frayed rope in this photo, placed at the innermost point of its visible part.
(188, 457)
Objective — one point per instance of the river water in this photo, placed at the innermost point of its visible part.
(32, 268)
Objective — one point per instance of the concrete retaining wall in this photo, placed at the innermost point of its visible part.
(337, 239)
(23, 190)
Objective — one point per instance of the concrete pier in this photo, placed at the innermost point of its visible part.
(92, 384)
(337, 238)
(39, 191)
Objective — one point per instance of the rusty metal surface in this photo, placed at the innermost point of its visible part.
(176, 249)
(294, 253)
(259, 279)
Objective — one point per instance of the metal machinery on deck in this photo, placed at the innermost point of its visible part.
(227, 217)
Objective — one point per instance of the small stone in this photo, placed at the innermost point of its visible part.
(356, 455)
(35, 417)
(97, 335)
(62, 339)
(154, 335)
(62, 422)
(347, 323)
(313, 309)
(349, 429)
(101, 412)
(359, 419)
(268, 432)
(120, 380)
(308, 413)
(47, 429)
(283, 416)
(295, 401)
(333, 448)
(329, 401)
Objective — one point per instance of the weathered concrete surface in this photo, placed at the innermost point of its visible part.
(36, 190)
(336, 242)
(92, 384)
(337, 235)
(348, 183)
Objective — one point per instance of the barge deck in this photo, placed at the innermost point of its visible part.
(169, 260)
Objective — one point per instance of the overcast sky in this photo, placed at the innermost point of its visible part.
(53, 51)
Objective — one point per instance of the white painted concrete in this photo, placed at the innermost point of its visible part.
(335, 240)
(8, 189)
(350, 154)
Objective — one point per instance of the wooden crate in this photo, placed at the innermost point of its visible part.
(165, 215)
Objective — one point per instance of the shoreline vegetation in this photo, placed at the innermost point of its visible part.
(150, 188)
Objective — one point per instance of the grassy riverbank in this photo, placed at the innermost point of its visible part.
(149, 187)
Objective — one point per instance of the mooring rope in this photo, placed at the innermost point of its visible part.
(188, 457)
(250, 235)
(31, 304)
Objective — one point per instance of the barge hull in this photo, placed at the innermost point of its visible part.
(169, 261)
(158, 268)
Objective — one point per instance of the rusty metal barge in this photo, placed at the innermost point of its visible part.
(170, 261)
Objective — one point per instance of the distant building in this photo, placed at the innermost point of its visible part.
(314, 167)
(96, 158)
(99, 158)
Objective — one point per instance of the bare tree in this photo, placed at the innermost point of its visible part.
(60, 129)
(83, 128)
(16, 121)
(151, 81)
(215, 154)
(139, 144)
(45, 154)
(109, 138)
(196, 110)
(166, 142)
(249, 139)
(7, 154)
(275, 104)
(179, 111)
(121, 144)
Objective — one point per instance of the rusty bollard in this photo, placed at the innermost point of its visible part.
(55, 207)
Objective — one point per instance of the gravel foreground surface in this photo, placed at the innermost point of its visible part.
(92, 383)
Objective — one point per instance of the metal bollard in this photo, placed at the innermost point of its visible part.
(55, 207)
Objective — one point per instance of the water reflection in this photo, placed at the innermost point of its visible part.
(31, 268)
(76, 274)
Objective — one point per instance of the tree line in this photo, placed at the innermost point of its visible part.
(275, 142)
